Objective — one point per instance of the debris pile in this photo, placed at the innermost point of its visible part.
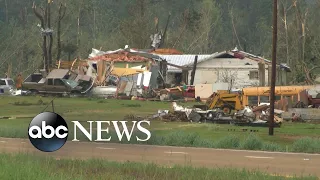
(132, 117)
(263, 113)
(297, 117)
(179, 113)
(245, 115)
(175, 116)
(175, 93)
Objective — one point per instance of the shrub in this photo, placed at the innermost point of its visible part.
(180, 138)
(252, 142)
(271, 147)
(228, 142)
(203, 143)
(307, 145)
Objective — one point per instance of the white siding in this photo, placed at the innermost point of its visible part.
(203, 76)
(212, 71)
(228, 62)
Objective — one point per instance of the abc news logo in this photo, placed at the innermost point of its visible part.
(48, 131)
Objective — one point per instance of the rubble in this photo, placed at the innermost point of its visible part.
(257, 115)
(178, 113)
(247, 114)
(174, 116)
(132, 117)
(175, 93)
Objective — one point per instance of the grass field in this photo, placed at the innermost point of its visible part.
(287, 138)
(30, 167)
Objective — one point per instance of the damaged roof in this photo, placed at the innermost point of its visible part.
(160, 51)
(258, 58)
(58, 73)
(120, 55)
(182, 60)
(171, 56)
(166, 51)
(188, 60)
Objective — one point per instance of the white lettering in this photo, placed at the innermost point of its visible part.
(35, 136)
(99, 130)
(125, 129)
(144, 130)
(83, 130)
(44, 130)
(64, 135)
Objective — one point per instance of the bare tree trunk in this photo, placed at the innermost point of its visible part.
(7, 13)
(62, 12)
(94, 27)
(44, 45)
(165, 31)
(301, 22)
(234, 27)
(50, 36)
(24, 55)
(286, 32)
(285, 22)
(182, 29)
(142, 7)
(78, 33)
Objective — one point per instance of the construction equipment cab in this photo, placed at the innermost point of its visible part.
(226, 101)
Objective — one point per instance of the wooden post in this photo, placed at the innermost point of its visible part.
(194, 70)
(262, 74)
(185, 76)
(164, 73)
(269, 74)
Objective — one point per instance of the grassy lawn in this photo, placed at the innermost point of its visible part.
(30, 167)
(84, 109)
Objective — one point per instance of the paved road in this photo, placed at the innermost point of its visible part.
(276, 163)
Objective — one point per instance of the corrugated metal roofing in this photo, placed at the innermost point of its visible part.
(182, 60)
(185, 60)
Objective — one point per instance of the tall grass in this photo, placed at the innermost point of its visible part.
(192, 139)
(252, 142)
(307, 144)
(31, 167)
(228, 142)
(267, 146)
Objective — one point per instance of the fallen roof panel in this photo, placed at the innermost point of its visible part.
(58, 73)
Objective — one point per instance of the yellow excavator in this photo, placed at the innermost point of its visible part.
(225, 101)
(220, 103)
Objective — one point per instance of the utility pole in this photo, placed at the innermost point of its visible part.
(274, 64)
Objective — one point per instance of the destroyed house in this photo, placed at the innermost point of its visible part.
(129, 64)
(237, 67)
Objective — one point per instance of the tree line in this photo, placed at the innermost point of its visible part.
(69, 29)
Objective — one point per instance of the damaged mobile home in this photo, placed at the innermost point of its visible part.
(123, 72)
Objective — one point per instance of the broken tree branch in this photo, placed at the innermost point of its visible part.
(39, 16)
